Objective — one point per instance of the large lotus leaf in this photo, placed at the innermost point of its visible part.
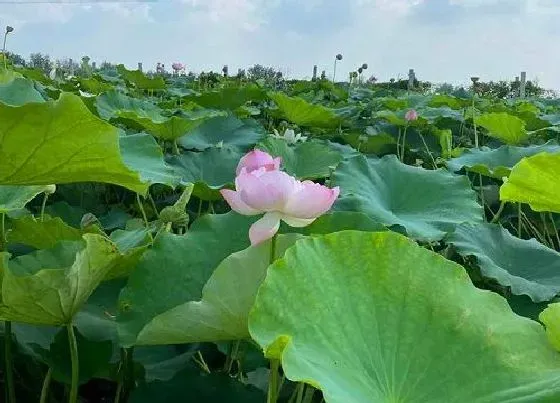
(303, 113)
(527, 267)
(338, 221)
(207, 388)
(230, 98)
(48, 287)
(373, 317)
(94, 85)
(224, 131)
(139, 80)
(111, 103)
(42, 234)
(19, 91)
(176, 269)
(227, 297)
(551, 319)
(503, 126)
(165, 128)
(60, 142)
(434, 114)
(141, 153)
(535, 180)
(132, 245)
(309, 160)
(210, 170)
(497, 163)
(16, 197)
(427, 203)
(449, 101)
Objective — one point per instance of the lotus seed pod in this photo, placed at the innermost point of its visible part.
(364, 66)
(50, 189)
(360, 70)
(339, 57)
(9, 29)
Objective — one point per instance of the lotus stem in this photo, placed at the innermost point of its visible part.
(46, 386)
(519, 220)
(498, 213)
(73, 345)
(272, 396)
(555, 229)
(403, 143)
(43, 205)
(474, 124)
(144, 216)
(300, 390)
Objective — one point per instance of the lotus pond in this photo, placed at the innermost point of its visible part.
(161, 240)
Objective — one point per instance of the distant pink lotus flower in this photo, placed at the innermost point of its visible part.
(280, 197)
(257, 159)
(411, 115)
(177, 66)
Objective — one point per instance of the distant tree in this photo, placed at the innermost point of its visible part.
(16, 59)
(41, 61)
(259, 72)
(68, 67)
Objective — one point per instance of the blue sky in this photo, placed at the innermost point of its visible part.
(443, 40)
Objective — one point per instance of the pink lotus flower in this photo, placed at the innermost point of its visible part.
(280, 197)
(257, 159)
(411, 115)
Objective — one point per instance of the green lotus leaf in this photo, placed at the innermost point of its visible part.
(177, 267)
(48, 287)
(449, 101)
(210, 170)
(132, 245)
(60, 142)
(303, 113)
(497, 163)
(380, 143)
(139, 80)
(94, 85)
(510, 260)
(428, 204)
(337, 221)
(227, 297)
(42, 234)
(111, 103)
(223, 132)
(535, 180)
(503, 126)
(16, 197)
(141, 153)
(551, 319)
(433, 115)
(230, 98)
(18, 92)
(165, 128)
(309, 160)
(373, 317)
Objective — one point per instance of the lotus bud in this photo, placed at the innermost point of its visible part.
(411, 115)
(360, 70)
